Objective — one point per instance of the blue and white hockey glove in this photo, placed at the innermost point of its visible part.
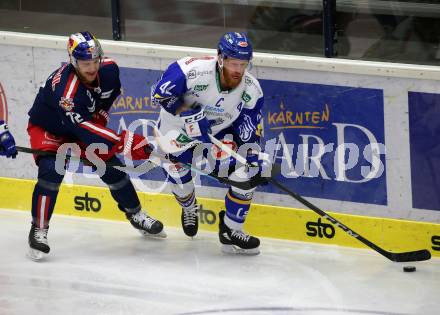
(197, 125)
(7, 142)
(260, 161)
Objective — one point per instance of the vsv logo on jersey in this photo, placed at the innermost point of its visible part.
(246, 128)
(320, 229)
(435, 242)
(87, 203)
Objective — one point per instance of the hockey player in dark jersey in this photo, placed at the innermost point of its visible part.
(72, 107)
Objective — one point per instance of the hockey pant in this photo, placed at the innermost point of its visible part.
(237, 201)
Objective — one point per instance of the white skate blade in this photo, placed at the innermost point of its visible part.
(161, 234)
(36, 255)
(231, 249)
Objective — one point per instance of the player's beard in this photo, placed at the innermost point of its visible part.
(232, 79)
(86, 78)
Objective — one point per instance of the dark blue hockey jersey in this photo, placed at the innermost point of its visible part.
(64, 106)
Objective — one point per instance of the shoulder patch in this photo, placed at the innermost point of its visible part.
(66, 103)
(248, 80)
(57, 77)
(191, 74)
(246, 97)
(253, 85)
(200, 87)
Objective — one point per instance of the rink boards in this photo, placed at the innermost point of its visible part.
(263, 220)
(307, 100)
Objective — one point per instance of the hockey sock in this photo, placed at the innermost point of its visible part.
(237, 208)
(187, 201)
(122, 190)
(45, 191)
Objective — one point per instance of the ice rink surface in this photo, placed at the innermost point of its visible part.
(104, 267)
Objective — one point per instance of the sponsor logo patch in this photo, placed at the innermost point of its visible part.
(246, 97)
(192, 74)
(200, 87)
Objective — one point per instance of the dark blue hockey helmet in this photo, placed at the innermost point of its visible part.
(83, 46)
(235, 45)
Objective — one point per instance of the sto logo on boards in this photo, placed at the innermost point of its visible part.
(435, 242)
(320, 229)
(87, 203)
(207, 216)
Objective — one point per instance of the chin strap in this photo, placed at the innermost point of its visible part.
(220, 62)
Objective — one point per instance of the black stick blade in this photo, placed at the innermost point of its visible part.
(418, 255)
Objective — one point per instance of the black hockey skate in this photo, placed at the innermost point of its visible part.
(236, 241)
(145, 224)
(190, 220)
(38, 246)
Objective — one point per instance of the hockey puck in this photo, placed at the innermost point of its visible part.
(409, 268)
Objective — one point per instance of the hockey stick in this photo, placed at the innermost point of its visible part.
(120, 166)
(418, 255)
(116, 165)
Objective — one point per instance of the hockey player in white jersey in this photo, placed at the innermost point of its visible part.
(212, 95)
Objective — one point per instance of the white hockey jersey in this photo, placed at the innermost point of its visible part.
(195, 81)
